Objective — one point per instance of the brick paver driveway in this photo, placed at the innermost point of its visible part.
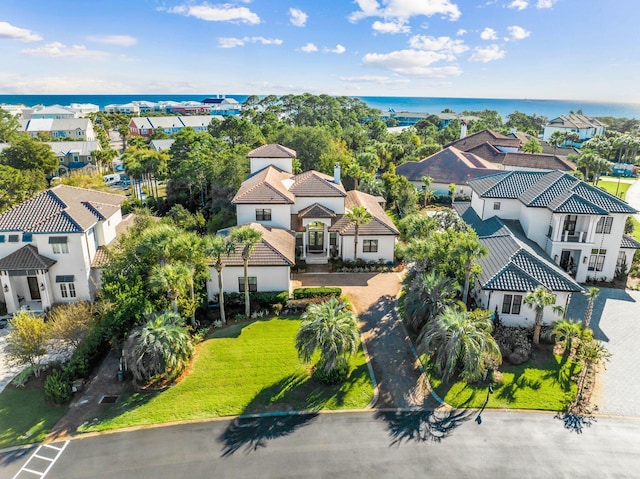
(616, 322)
(394, 363)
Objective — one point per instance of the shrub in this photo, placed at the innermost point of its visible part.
(268, 298)
(88, 354)
(317, 292)
(335, 376)
(514, 343)
(56, 388)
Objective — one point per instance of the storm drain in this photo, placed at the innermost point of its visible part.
(108, 400)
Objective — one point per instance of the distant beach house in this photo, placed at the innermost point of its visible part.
(51, 246)
(77, 129)
(582, 125)
(74, 155)
(144, 126)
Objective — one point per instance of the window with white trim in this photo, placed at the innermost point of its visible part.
(253, 284)
(511, 303)
(370, 246)
(604, 225)
(67, 286)
(596, 260)
(59, 244)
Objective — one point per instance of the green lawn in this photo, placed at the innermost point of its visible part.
(612, 187)
(25, 417)
(542, 384)
(244, 369)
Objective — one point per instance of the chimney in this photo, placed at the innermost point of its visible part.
(513, 130)
(336, 174)
(463, 129)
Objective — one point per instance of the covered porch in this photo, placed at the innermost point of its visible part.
(24, 280)
(316, 243)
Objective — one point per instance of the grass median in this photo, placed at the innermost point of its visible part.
(242, 369)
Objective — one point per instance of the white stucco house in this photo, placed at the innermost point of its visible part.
(49, 243)
(584, 126)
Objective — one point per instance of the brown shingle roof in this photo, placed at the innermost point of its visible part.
(277, 247)
(539, 161)
(272, 151)
(448, 166)
(26, 258)
(62, 209)
(381, 224)
(265, 187)
(314, 183)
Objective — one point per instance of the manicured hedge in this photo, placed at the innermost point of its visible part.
(317, 292)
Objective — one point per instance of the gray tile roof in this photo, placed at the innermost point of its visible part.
(62, 209)
(381, 224)
(549, 190)
(490, 227)
(26, 258)
(629, 242)
(277, 247)
(316, 210)
(574, 121)
(272, 151)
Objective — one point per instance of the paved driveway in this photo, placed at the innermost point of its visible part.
(616, 322)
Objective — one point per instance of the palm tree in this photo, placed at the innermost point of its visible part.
(329, 329)
(592, 293)
(359, 216)
(556, 139)
(216, 247)
(538, 299)
(160, 346)
(426, 186)
(247, 238)
(532, 146)
(172, 278)
(452, 192)
(457, 339)
(567, 331)
(469, 249)
(426, 296)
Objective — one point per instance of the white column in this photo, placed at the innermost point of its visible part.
(9, 294)
(304, 244)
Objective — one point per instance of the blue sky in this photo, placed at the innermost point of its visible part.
(556, 49)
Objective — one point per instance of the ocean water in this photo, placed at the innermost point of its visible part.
(548, 108)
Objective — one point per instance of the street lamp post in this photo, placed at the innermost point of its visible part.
(486, 401)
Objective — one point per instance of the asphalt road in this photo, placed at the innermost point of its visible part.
(356, 445)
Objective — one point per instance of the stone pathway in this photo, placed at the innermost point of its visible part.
(396, 368)
(616, 322)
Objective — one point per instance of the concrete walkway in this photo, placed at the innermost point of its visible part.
(616, 322)
(396, 368)
(7, 371)
(633, 197)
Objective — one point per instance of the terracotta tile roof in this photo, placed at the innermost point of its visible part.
(448, 166)
(316, 210)
(314, 183)
(272, 151)
(26, 258)
(266, 186)
(486, 136)
(381, 224)
(549, 190)
(277, 247)
(62, 209)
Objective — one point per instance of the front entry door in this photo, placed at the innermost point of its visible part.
(34, 289)
(316, 240)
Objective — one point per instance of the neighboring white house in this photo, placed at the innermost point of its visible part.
(269, 264)
(145, 125)
(74, 155)
(313, 205)
(579, 226)
(583, 126)
(77, 129)
(513, 268)
(48, 244)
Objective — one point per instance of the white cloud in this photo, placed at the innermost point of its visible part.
(518, 4)
(309, 47)
(16, 33)
(390, 27)
(461, 32)
(488, 34)
(438, 44)
(484, 55)
(404, 9)
(57, 49)
(297, 17)
(411, 62)
(339, 49)
(119, 40)
(217, 13)
(231, 42)
(379, 79)
(545, 3)
(518, 33)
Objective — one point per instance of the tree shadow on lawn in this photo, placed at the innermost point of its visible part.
(422, 425)
(281, 408)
